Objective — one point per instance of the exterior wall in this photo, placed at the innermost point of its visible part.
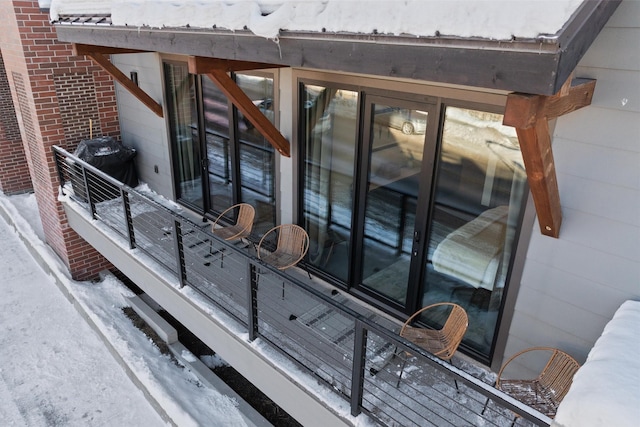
(140, 127)
(55, 95)
(286, 184)
(14, 170)
(572, 286)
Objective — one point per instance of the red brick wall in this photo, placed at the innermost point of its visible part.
(14, 171)
(56, 94)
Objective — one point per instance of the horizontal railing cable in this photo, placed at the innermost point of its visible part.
(350, 349)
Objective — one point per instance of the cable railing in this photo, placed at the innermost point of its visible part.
(348, 348)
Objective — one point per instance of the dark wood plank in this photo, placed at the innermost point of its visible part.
(202, 65)
(86, 49)
(522, 67)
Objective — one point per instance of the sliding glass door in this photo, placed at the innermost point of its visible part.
(398, 139)
(411, 200)
(220, 159)
(479, 197)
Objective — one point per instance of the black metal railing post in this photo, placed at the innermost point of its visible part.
(252, 295)
(127, 216)
(57, 157)
(179, 250)
(87, 190)
(357, 373)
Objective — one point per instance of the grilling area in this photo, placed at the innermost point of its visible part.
(287, 332)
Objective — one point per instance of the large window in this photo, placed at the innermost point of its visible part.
(331, 122)
(219, 157)
(411, 200)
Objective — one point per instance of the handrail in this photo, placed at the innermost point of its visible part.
(362, 323)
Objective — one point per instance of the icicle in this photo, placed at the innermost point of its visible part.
(276, 40)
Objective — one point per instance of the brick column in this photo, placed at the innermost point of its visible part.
(55, 96)
(14, 171)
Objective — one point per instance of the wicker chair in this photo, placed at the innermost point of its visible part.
(241, 228)
(443, 342)
(238, 230)
(545, 392)
(292, 244)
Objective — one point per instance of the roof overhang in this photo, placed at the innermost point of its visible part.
(536, 66)
(538, 73)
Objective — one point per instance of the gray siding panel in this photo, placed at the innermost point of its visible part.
(626, 16)
(600, 126)
(565, 286)
(615, 48)
(600, 199)
(615, 89)
(587, 263)
(571, 286)
(140, 127)
(597, 162)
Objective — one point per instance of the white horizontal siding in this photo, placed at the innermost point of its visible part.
(601, 126)
(140, 127)
(571, 286)
(615, 89)
(597, 162)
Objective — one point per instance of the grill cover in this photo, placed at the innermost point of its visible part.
(111, 157)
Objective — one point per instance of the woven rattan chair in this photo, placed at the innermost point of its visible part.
(545, 392)
(238, 230)
(443, 342)
(292, 244)
(241, 228)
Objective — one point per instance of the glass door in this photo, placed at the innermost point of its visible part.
(398, 155)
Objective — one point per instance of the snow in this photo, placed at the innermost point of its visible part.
(54, 368)
(606, 389)
(489, 19)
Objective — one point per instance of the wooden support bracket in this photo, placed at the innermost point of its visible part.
(530, 115)
(217, 70)
(96, 53)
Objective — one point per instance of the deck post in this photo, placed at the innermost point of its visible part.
(357, 374)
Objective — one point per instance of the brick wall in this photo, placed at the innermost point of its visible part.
(56, 95)
(14, 171)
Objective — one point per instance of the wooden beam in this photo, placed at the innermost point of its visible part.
(250, 111)
(203, 65)
(89, 49)
(125, 81)
(530, 115)
(535, 144)
(578, 96)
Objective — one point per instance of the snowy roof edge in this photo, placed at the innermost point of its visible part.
(493, 64)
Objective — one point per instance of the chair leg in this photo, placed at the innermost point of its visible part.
(485, 406)
(514, 421)
(454, 381)
(401, 371)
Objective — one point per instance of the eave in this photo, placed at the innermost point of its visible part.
(538, 73)
(536, 66)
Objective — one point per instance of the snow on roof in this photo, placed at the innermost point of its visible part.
(488, 19)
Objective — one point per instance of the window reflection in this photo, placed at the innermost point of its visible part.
(330, 123)
(256, 154)
(479, 195)
(184, 133)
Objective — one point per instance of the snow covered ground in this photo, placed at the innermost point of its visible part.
(54, 368)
